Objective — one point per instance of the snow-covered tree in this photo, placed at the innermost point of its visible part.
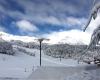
(95, 38)
(6, 48)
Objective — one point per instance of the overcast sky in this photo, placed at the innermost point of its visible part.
(43, 17)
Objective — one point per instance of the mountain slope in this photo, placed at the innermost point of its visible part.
(71, 37)
(9, 37)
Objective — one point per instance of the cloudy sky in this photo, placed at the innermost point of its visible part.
(43, 17)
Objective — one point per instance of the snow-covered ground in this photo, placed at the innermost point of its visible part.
(21, 65)
(85, 72)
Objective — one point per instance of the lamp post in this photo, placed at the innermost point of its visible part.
(40, 40)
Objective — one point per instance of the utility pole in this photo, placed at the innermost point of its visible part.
(40, 40)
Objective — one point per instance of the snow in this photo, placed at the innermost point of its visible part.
(21, 65)
(11, 66)
(9, 37)
(85, 75)
(63, 37)
(86, 72)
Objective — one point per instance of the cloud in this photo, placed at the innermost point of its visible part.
(67, 21)
(57, 8)
(25, 26)
(75, 21)
(53, 12)
(46, 6)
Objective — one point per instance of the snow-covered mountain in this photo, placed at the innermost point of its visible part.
(9, 37)
(72, 37)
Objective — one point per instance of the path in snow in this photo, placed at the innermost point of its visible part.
(89, 72)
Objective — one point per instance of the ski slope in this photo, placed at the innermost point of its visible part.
(21, 65)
